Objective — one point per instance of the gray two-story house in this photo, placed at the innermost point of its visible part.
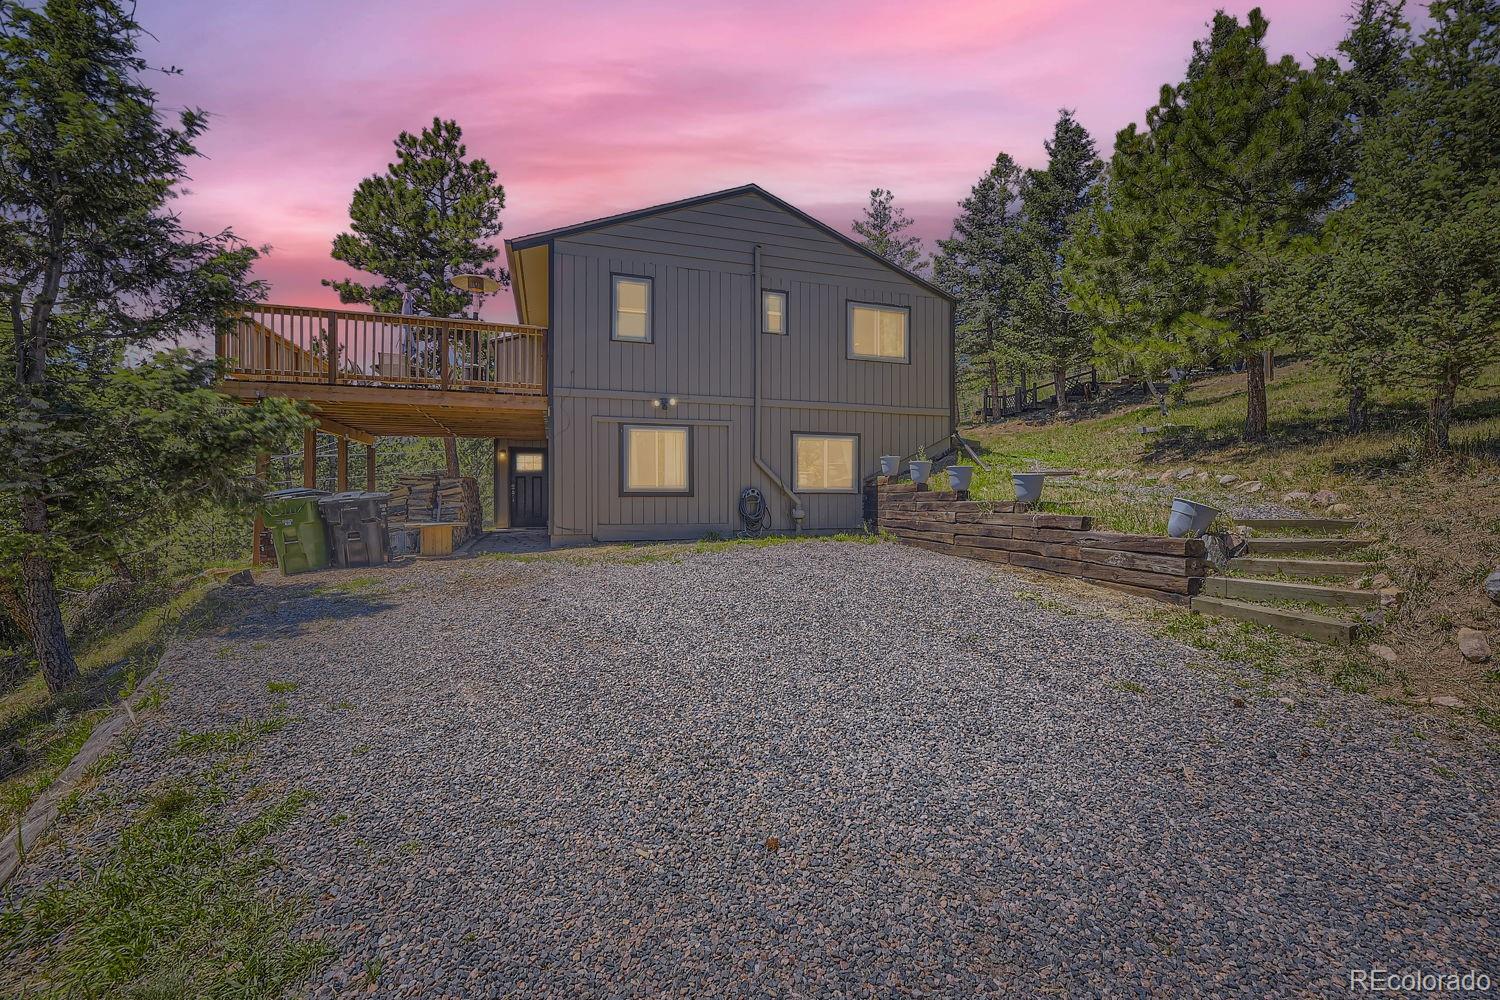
(727, 341)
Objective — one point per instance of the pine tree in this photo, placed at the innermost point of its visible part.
(972, 264)
(1417, 258)
(96, 266)
(1128, 299)
(427, 218)
(881, 228)
(1237, 162)
(1043, 322)
(1313, 304)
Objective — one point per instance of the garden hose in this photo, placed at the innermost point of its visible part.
(752, 512)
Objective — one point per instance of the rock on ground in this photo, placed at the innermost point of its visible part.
(1473, 645)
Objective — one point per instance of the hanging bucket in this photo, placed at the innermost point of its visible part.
(1190, 519)
(920, 470)
(890, 464)
(1028, 486)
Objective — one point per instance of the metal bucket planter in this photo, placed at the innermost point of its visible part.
(1028, 486)
(960, 476)
(920, 470)
(890, 465)
(1189, 518)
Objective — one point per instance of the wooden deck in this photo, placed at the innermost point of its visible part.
(368, 375)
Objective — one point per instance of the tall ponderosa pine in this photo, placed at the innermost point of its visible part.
(1417, 260)
(429, 217)
(973, 265)
(1314, 303)
(1045, 325)
(1237, 161)
(1128, 298)
(95, 265)
(1376, 47)
(880, 230)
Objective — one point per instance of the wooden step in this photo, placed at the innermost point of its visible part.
(1301, 523)
(1280, 590)
(1302, 567)
(1260, 546)
(1303, 623)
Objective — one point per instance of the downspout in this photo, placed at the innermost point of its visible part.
(755, 302)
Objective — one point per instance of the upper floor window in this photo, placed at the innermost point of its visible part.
(878, 333)
(772, 312)
(632, 309)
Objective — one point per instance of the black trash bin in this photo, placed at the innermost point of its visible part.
(356, 527)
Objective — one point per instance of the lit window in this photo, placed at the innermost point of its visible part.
(632, 309)
(825, 463)
(656, 459)
(773, 312)
(528, 461)
(877, 333)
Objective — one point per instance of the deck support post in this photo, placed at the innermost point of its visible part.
(258, 526)
(370, 467)
(343, 465)
(310, 458)
(333, 348)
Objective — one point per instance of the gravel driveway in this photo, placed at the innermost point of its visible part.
(827, 769)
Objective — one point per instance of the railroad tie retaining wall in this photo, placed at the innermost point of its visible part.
(1168, 569)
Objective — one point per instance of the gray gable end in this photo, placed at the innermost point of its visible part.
(743, 199)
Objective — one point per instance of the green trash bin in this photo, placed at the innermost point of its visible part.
(297, 530)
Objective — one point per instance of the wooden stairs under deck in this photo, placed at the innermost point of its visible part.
(1266, 599)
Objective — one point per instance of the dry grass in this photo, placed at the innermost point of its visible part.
(41, 732)
(1436, 524)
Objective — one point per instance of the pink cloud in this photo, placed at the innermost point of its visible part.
(587, 107)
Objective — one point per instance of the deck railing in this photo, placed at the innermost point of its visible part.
(274, 343)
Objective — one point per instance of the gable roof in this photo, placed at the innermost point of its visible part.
(536, 239)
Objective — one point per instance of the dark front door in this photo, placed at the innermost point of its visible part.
(528, 489)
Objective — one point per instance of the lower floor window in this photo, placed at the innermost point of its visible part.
(656, 459)
(825, 463)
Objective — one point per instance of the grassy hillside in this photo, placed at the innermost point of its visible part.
(1436, 523)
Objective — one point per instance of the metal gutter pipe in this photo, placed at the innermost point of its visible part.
(755, 302)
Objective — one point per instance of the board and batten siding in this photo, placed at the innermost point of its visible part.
(706, 320)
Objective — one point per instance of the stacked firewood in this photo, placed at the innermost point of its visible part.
(436, 496)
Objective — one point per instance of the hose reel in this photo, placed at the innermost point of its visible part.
(753, 513)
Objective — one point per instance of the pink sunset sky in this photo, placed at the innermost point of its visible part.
(591, 108)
